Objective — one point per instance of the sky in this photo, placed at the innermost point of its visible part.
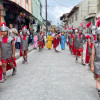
(57, 8)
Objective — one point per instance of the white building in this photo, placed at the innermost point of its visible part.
(85, 11)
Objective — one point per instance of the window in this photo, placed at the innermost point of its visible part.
(27, 1)
(72, 19)
(76, 16)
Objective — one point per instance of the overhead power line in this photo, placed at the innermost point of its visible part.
(60, 3)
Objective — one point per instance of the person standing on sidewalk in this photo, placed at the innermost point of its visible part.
(13, 32)
(24, 45)
(79, 45)
(18, 41)
(95, 61)
(35, 41)
(7, 51)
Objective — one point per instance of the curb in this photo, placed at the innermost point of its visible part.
(18, 56)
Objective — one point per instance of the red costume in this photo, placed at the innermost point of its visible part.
(56, 42)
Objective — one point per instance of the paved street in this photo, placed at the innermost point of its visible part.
(50, 76)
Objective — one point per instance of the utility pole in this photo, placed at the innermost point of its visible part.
(46, 15)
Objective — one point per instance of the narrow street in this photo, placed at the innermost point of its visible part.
(49, 76)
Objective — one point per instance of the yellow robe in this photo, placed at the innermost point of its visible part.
(49, 41)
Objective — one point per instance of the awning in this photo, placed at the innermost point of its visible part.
(90, 16)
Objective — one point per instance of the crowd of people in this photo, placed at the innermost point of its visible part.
(77, 38)
(74, 38)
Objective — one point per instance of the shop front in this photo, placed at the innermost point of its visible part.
(16, 15)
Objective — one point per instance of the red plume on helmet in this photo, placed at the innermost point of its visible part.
(25, 26)
(88, 25)
(98, 23)
(75, 29)
(70, 28)
(3, 24)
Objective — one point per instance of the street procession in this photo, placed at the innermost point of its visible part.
(49, 50)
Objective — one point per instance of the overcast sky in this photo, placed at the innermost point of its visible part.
(57, 8)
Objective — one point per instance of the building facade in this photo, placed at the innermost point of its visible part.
(37, 12)
(21, 12)
(86, 11)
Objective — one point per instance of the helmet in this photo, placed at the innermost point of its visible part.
(24, 30)
(80, 28)
(98, 31)
(76, 31)
(3, 27)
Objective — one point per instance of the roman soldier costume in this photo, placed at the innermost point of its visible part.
(70, 40)
(24, 44)
(6, 53)
(79, 44)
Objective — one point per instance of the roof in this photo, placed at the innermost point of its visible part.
(73, 10)
(64, 16)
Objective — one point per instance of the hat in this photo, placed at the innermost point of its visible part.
(98, 31)
(80, 28)
(24, 30)
(3, 27)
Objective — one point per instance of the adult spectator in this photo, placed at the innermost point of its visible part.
(12, 31)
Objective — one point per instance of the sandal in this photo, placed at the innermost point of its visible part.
(4, 78)
(76, 60)
(26, 62)
(14, 71)
(23, 62)
(83, 63)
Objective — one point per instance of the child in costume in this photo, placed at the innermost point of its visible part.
(95, 61)
(63, 40)
(70, 39)
(7, 52)
(79, 44)
(76, 32)
(24, 45)
(49, 41)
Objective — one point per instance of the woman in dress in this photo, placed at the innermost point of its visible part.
(35, 39)
(63, 40)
